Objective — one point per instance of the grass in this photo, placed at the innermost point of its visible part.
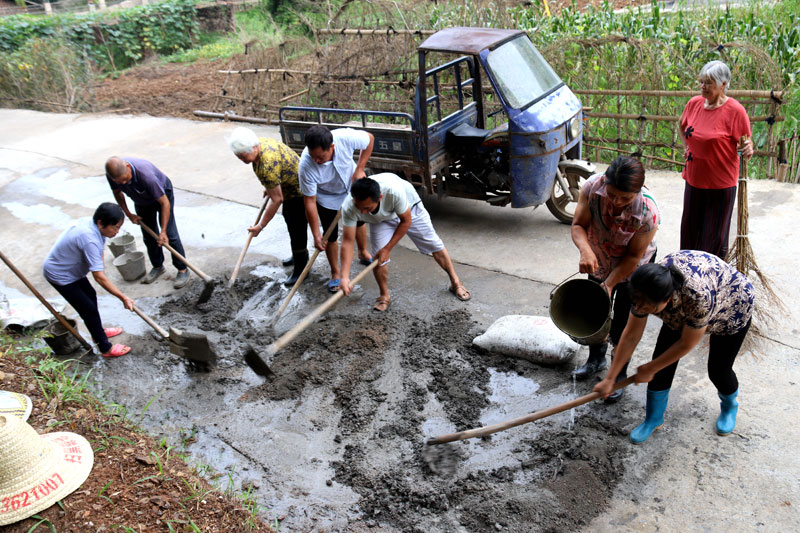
(67, 390)
(252, 25)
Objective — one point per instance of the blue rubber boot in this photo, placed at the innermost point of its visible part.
(654, 416)
(727, 418)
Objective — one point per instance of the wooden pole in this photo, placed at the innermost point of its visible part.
(538, 415)
(668, 118)
(235, 273)
(676, 94)
(783, 167)
(289, 336)
(357, 31)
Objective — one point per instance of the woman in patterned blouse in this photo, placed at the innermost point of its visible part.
(693, 293)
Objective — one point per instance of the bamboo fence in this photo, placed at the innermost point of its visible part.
(375, 69)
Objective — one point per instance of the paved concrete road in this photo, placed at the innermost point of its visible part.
(51, 173)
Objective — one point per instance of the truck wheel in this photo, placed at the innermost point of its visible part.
(563, 203)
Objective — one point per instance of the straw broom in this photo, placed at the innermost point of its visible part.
(741, 254)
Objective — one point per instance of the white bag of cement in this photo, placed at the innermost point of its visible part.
(533, 338)
(27, 311)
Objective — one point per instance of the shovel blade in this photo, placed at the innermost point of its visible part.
(192, 346)
(206, 294)
(257, 364)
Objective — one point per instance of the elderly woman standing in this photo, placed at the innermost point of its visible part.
(78, 251)
(693, 293)
(614, 229)
(275, 166)
(711, 126)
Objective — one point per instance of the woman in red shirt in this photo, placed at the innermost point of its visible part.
(711, 126)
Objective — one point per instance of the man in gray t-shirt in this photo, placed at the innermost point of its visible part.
(326, 172)
(393, 209)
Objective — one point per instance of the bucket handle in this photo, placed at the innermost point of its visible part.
(611, 298)
(560, 284)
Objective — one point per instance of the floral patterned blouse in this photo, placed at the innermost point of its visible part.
(277, 165)
(714, 294)
(610, 234)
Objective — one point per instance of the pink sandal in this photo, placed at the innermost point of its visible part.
(117, 350)
(112, 332)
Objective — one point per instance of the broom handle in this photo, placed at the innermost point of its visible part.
(289, 336)
(41, 298)
(544, 413)
(197, 271)
(306, 270)
(247, 244)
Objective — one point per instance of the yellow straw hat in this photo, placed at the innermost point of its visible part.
(15, 404)
(36, 470)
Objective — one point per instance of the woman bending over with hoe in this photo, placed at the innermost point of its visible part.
(693, 293)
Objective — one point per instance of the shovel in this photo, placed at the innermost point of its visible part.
(246, 245)
(192, 346)
(208, 289)
(538, 415)
(257, 364)
(41, 298)
(305, 272)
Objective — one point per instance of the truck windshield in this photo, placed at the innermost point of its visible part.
(521, 73)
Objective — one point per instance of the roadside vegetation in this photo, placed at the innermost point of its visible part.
(137, 483)
(53, 63)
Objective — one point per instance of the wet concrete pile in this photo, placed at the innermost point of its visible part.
(387, 383)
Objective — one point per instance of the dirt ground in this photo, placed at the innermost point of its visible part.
(134, 482)
(163, 89)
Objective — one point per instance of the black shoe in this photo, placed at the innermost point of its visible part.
(593, 365)
(299, 259)
(289, 261)
(590, 368)
(618, 394)
(615, 396)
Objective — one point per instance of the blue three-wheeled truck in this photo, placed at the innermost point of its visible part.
(531, 157)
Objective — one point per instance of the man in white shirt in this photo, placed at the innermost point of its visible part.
(392, 208)
(326, 172)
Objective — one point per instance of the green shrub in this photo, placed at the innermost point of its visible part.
(46, 74)
(114, 39)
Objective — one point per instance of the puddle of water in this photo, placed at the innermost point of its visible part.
(511, 396)
(58, 184)
(228, 229)
(46, 215)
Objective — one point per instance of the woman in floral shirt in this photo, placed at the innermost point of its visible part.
(614, 229)
(693, 293)
(275, 166)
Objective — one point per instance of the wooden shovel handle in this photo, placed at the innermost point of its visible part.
(41, 298)
(306, 270)
(289, 336)
(247, 244)
(538, 415)
(161, 331)
(197, 271)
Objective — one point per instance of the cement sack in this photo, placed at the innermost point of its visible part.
(533, 338)
(27, 312)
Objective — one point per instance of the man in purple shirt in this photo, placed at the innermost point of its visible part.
(151, 192)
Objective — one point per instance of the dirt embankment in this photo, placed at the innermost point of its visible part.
(163, 90)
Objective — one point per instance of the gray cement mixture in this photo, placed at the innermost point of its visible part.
(374, 382)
